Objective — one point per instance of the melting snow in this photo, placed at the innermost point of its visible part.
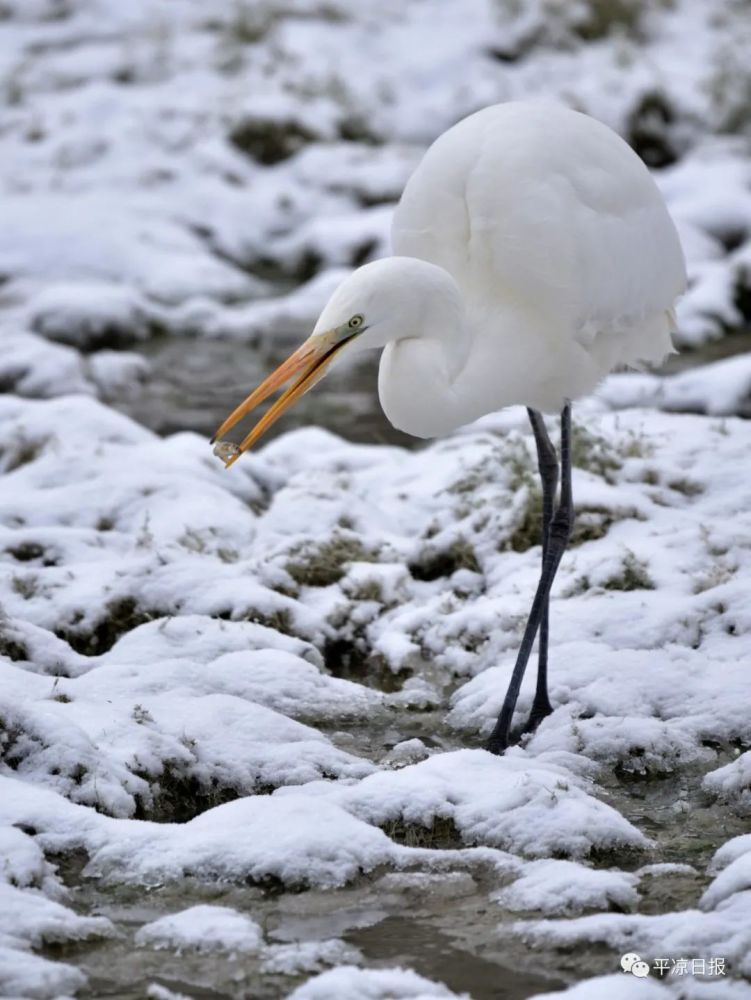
(265, 676)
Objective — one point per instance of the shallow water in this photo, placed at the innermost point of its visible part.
(443, 925)
(446, 932)
(194, 385)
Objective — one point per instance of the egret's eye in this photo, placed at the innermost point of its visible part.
(356, 322)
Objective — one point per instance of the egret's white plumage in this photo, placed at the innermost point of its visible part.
(559, 240)
(534, 253)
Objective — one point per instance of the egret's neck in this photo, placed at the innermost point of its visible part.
(418, 371)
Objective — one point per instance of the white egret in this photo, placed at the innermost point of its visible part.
(534, 253)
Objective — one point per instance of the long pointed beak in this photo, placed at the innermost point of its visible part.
(312, 360)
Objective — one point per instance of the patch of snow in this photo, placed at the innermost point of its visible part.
(156, 992)
(307, 956)
(89, 314)
(372, 984)
(567, 888)
(22, 862)
(733, 863)
(406, 752)
(630, 707)
(299, 841)
(718, 389)
(203, 928)
(23, 974)
(732, 783)
(28, 917)
(615, 987)
(515, 802)
(723, 932)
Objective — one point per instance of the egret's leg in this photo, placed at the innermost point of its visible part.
(547, 462)
(560, 530)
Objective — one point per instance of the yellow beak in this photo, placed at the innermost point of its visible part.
(311, 359)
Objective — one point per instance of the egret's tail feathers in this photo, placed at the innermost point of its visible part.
(636, 344)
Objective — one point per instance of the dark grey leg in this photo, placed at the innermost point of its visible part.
(547, 461)
(558, 535)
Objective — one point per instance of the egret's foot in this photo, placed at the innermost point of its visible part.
(497, 744)
(541, 709)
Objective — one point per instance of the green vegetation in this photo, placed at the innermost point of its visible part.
(528, 530)
(442, 834)
(600, 18)
(120, 616)
(324, 564)
(269, 140)
(280, 619)
(351, 660)
(178, 796)
(366, 590)
(434, 563)
(688, 487)
(633, 575)
(594, 453)
(26, 586)
(13, 648)
(26, 551)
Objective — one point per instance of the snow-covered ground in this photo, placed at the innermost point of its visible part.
(180, 643)
(241, 712)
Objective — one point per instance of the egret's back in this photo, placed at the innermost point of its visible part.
(557, 237)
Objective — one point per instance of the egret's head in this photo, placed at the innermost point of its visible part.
(377, 303)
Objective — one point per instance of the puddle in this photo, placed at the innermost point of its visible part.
(195, 384)
(430, 951)
(442, 925)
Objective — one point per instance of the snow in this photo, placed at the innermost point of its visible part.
(618, 987)
(307, 956)
(611, 711)
(23, 974)
(517, 803)
(298, 841)
(279, 678)
(733, 862)
(157, 992)
(158, 712)
(372, 984)
(732, 783)
(29, 919)
(203, 928)
(22, 861)
(32, 919)
(567, 888)
(720, 389)
(722, 932)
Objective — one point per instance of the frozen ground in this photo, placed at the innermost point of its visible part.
(205, 685)
(240, 713)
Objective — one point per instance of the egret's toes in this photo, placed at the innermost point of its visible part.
(540, 710)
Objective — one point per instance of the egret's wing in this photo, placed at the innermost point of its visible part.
(539, 204)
